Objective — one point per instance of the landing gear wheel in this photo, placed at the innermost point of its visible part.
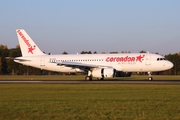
(150, 78)
(88, 78)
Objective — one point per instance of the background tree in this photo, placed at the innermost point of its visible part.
(175, 59)
(142, 51)
(113, 52)
(125, 52)
(95, 52)
(1, 65)
(64, 52)
(3, 54)
(13, 67)
(86, 52)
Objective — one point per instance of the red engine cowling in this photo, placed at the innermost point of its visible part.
(103, 72)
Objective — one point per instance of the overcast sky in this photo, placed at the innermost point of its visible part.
(93, 25)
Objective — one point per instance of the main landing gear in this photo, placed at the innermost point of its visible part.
(88, 78)
(150, 76)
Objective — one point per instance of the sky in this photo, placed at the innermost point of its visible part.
(93, 25)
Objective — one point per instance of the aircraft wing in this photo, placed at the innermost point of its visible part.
(80, 65)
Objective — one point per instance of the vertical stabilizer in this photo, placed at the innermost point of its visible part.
(27, 45)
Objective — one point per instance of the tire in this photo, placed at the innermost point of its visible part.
(150, 78)
(88, 78)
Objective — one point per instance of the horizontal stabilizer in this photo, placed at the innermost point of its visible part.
(19, 59)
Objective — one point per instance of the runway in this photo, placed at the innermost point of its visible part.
(90, 82)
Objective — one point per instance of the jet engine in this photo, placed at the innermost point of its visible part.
(103, 72)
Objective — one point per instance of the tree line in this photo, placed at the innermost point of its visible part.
(9, 67)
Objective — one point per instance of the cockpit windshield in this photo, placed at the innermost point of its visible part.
(160, 59)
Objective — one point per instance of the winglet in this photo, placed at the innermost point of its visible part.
(27, 45)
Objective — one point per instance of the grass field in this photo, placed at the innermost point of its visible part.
(81, 77)
(89, 101)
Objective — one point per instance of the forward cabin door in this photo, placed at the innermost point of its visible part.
(148, 59)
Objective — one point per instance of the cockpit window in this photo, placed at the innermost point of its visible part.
(160, 59)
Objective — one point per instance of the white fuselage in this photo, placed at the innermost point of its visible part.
(127, 62)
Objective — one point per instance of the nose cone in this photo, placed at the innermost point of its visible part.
(169, 65)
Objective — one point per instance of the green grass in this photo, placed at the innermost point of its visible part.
(81, 77)
(42, 77)
(89, 101)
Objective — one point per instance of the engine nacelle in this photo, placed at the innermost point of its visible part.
(103, 72)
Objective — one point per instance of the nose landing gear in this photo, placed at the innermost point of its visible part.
(150, 76)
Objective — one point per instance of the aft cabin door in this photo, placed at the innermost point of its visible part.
(148, 59)
(42, 62)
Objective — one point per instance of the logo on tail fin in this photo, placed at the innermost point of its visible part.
(30, 48)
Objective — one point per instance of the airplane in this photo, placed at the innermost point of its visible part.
(98, 66)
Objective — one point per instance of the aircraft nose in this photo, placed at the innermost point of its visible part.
(170, 65)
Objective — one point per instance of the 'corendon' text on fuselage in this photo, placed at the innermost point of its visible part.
(124, 59)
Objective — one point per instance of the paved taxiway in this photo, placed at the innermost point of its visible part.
(90, 82)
